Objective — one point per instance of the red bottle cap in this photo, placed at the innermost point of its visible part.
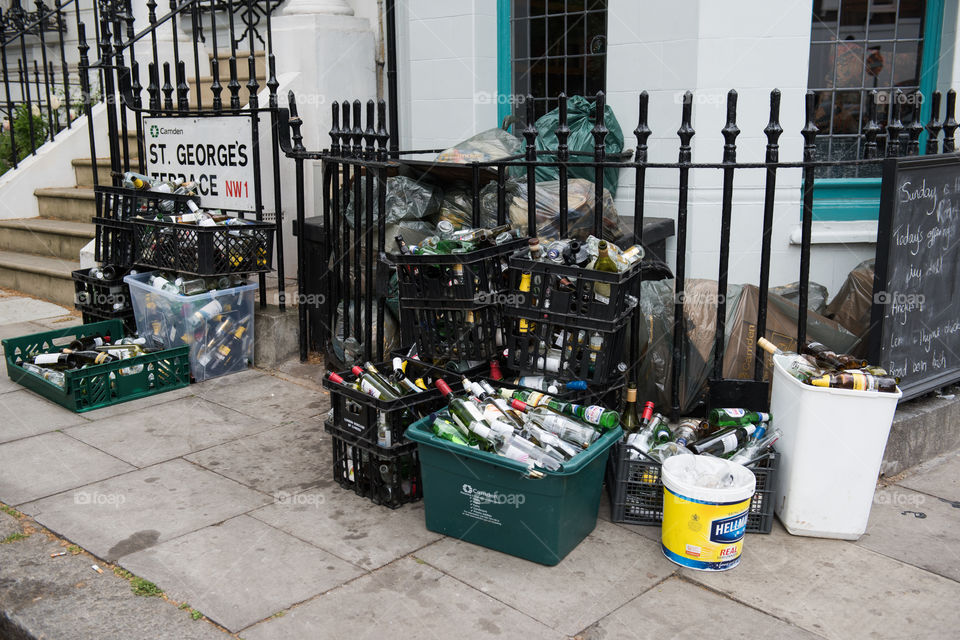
(519, 405)
(443, 386)
(357, 371)
(647, 410)
(336, 378)
(495, 372)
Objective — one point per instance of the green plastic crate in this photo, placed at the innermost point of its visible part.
(94, 387)
(486, 499)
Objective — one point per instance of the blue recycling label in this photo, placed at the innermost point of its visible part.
(729, 530)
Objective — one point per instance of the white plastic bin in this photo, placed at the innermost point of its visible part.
(218, 346)
(830, 454)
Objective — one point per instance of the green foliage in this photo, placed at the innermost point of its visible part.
(143, 587)
(196, 615)
(10, 511)
(25, 143)
(13, 537)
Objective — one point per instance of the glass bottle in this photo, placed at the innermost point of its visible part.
(736, 417)
(629, 419)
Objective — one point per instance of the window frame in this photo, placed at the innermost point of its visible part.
(853, 199)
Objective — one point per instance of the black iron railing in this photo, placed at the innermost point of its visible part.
(40, 91)
(358, 273)
(122, 45)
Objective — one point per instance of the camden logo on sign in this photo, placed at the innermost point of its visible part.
(729, 530)
(154, 131)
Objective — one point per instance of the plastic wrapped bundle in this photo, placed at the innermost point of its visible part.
(491, 144)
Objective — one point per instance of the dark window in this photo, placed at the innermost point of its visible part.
(558, 45)
(857, 46)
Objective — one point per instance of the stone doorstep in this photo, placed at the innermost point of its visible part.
(922, 429)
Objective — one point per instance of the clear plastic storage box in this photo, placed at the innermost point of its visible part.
(217, 324)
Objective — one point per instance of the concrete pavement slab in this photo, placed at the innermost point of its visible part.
(266, 397)
(403, 600)
(17, 329)
(167, 430)
(43, 465)
(678, 609)
(140, 405)
(137, 510)
(240, 571)
(280, 462)
(938, 477)
(8, 525)
(837, 589)
(64, 599)
(609, 568)
(24, 309)
(61, 322)
(929, 542)
(349, 526)
(23, 413)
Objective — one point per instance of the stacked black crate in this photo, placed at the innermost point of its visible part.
(370, 454)
(570, 323)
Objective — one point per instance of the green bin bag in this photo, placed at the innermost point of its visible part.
(580, 120)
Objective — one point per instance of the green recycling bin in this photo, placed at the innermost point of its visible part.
(488, 500)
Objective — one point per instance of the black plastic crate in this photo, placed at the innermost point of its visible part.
(388, 477)
(636, 489)
(449, 333)
(108, 298)
(570, 291)
(116, 207)
(361, 414)
(593, 351)
(204, 251)
(478, 276)
(126, 317)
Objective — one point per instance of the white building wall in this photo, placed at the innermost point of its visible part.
(752, 46)
(448, 59)
(448, 71)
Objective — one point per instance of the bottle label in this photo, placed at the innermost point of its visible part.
(369, 389)
(593, 413)
(734, 413)
(729, 442)
(534, 398)
(47, 358)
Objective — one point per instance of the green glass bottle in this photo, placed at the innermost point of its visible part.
(448, 431)
(606, 419)
(736, 417)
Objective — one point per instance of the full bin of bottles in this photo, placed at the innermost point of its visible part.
(827, 429)
(99, 385)
(489, 500)
(217, 325)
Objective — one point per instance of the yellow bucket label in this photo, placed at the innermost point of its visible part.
(702, 535)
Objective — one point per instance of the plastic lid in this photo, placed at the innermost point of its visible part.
(356, 370)
(336, 378)
(443, 386)
(677, 470)
(579, 385)
(631, 394)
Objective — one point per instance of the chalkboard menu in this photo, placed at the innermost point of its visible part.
(916, 302)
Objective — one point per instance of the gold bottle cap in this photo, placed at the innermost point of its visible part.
(631, 394)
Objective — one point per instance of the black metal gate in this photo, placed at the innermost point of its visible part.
(123, 44)
(358, 271)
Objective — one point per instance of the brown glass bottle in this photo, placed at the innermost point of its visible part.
(856, 381)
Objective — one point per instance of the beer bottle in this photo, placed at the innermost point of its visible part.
(829, 358)
(689, 431)
(630, 421)
(800, 367)
(449, 431)
(856, 381)
(724, 441)
(736, 417)
(606, 419)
